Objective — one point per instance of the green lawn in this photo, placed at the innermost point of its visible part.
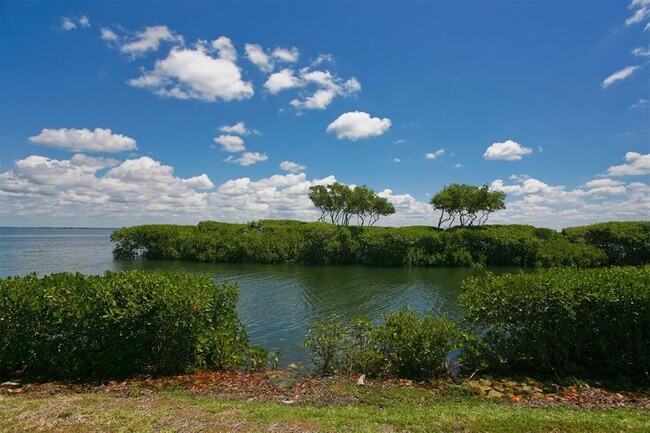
(371, 409)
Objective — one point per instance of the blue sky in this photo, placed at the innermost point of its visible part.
(111, 111)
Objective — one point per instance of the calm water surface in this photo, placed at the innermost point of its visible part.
(275, 301)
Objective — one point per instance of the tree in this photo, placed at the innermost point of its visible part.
(339, 203)
(470, 204)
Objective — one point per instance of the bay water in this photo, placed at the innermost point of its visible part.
(276, 302)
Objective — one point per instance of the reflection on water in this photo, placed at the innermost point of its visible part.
(276, 302)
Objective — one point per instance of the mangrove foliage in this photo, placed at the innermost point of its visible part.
(79, 326)
(559, 322)
(282, 241)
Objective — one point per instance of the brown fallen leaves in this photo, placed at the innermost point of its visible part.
(290, 388)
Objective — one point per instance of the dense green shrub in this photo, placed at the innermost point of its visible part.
(321, 243)
(624, 243)
(408, 344)
(84, 326)
(565, 320)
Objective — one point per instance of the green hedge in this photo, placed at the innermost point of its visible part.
(321, 243)
(84, 326)
(625, 243)
(562, 321)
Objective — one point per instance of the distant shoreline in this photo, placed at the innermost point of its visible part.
(54, 227)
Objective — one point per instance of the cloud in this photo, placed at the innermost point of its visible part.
(225, 49)
(149, 40)
(535, 202)
(508, 150)
(599, 183)
(279, 81)
(286, 55)
(320, 100)
(199, 182)
(400, 141)
(230, 143)
(641, 103)
(189, 73)
(457, 165)
(248, 158)
(434, 155)
(75, 188)
(292, 167)
(238, 128)
(109, 35)
(67, 24)
(397, 160)
(39, 190)
(619, 76)
(323, 58)
(279, 197)
(355, 125)
(637, 165)
(518, 177)
(258, 57)
(641, 52)
(78, 140)
(642, 12)
(604, 187)
(328, 87)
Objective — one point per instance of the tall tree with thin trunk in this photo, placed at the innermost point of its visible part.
(466, 204)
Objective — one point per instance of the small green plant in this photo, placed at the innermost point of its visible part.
(325, 342)
(408, 344)
(258, 358)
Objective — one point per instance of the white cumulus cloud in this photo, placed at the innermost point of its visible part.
(132, 190)
(328, 87)
(288, 55)
(238, 128)
(78, 140)
(199, 182)
(508, 150)
(149, 39)
(108, 35)
(434, 155)
(292, 167)
(192, 73)
(248, 158)
(637, 165)
(282, 80)
(225, 48)
(357, 124)
(259, 57)
(230, 143)
(67, 24)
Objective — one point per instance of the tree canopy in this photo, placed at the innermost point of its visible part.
(472, 205)
(339, 203)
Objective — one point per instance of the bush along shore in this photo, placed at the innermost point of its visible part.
(87, 327)
(562, 322)
(183, 361)
(279, 241)
(552, 323)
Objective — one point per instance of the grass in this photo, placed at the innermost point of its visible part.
(374, 409)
